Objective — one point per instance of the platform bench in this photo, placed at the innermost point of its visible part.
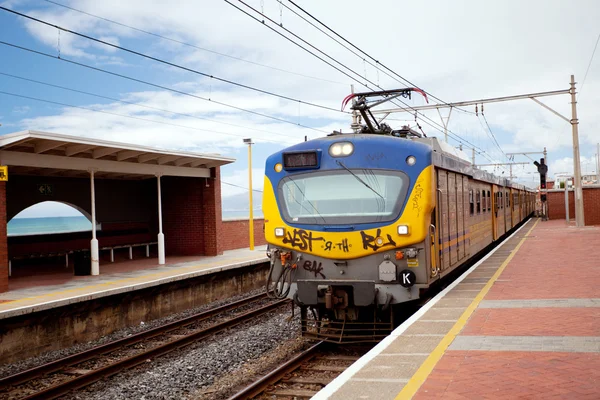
(130, 246)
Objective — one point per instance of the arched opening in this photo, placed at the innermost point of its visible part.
(42, 236)
(49, 217)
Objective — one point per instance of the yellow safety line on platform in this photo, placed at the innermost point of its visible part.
(133, 279)
(415, 382)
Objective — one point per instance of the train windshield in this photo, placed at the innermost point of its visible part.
(343, 196)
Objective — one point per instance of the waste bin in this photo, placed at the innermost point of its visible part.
(82, 263)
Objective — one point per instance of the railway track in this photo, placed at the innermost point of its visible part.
(79, 370)
(304, 375)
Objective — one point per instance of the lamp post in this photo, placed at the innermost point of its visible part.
(251, 218)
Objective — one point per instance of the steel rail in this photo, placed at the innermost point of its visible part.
(87, 379)
(95, 352)
(24, 376)
(276, 375)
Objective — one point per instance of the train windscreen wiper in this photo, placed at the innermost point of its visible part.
(358, 178)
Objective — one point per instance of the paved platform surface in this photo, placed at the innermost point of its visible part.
(39, 292)
(523, 324)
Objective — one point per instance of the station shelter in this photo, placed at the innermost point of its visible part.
(167, 202)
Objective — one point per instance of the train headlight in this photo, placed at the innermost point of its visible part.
(279, 232)
(411, 160)
(278, 167)
(341, 149)
(402, 229)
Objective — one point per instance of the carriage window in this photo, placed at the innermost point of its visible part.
(478, 198)
(489, 203)
(483, 208)
(501, 200)
(471, 201)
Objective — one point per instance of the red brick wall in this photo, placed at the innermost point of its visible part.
(591, 204)
(182, 213)
(3, 242)
(235, 234)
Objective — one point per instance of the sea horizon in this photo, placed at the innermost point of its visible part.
(24, 226)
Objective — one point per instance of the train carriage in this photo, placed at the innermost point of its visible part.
(359, 225)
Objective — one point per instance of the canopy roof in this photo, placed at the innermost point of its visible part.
(51, 154)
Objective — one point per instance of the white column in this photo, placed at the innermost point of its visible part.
(161, 236)
(95, 253)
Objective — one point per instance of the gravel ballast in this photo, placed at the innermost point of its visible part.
(191, 372)
(13, 368)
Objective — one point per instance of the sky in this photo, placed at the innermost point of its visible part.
(456, 51)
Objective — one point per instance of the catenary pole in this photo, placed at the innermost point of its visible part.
(579, 217)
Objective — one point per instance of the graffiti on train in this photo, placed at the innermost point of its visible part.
(343, 246)
(304, 240)
(376, 242)
(301, 239)
(314, 267)
(416, 200)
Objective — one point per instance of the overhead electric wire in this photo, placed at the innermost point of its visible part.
(194, 71)
(589, 65)
(297, 44)
(159, 60)
(128, 116)
(369, 56)
(493, 136)
(161, 86)
(338, 42)
(191, 45)
(140, 105)
(241, 187)
(583, 82)
(439, 127)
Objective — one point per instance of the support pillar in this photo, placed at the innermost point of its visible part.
(161, 236)
(94, 245)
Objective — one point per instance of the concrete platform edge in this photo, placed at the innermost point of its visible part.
(28, 309)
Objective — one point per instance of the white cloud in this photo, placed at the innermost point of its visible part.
(566, 165)
(240, 179)
(457, 51)
(21, 110)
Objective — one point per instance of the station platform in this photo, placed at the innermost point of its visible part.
(523, 323)
(45, 291)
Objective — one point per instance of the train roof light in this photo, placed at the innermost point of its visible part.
(341, 149)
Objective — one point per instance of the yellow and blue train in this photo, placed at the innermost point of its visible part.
(358, 224)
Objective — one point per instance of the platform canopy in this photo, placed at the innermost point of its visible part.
(51, 154)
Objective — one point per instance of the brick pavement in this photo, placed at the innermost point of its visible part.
(514, 375)
(536, 334)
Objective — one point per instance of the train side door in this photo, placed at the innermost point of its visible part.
(443, 219)
(497, 212)
(512, 207)
(452, 220)
(506, 204)
(465, 218)
(461, 188)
